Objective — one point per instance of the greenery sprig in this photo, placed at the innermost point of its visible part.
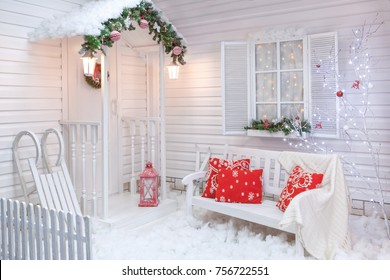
(286, 125)
(162, 31)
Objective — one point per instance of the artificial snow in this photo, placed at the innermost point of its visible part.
(210, 236)
(86, 20)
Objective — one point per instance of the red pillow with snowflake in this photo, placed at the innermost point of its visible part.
(298, 182)
(215, 164)
(240, 186)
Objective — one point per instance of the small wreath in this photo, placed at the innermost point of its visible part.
(95, 80)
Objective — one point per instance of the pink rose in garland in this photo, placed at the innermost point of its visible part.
(115, 35)
(176, 50)
(143, 23)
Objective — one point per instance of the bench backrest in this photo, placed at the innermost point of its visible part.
(274, 175)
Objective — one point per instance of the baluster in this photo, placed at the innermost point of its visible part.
(142, 129)
(73, 149)
(83, 138)
(133, 182)
(152, 141)
(94, 137)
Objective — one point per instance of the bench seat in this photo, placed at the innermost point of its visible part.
(266, 213)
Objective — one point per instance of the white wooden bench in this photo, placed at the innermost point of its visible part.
(274, 179)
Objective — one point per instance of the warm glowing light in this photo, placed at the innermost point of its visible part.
(89, 63)
(173, 70)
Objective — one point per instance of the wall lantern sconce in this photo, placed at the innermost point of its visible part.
(89, 63)
(173, 70)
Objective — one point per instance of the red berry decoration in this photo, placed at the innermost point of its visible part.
(115, 35)
(339, 93)
(143, 23)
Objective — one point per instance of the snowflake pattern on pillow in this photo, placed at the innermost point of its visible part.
(215, 164)
(239, 186)
(298, 182)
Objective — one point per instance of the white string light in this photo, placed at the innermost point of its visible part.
(360, 60)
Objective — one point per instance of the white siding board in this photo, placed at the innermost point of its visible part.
(29, 116)
(193, 111)
(19, 19)
(29, 93)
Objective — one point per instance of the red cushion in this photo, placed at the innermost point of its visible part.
(241, 186)
(298, 182)
(216, 164)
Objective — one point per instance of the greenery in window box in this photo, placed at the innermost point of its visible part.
(286, 125)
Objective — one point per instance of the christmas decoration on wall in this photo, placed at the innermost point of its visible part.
(353, 119)
(146, 15)
(95, 80)
(286, 125)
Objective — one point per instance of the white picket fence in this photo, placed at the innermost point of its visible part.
(29, 232)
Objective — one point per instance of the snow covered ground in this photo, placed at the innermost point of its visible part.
(210, 236)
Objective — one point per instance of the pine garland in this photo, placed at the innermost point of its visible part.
(286, 125)
(162, 31)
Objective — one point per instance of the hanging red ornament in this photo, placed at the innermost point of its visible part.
(318, 125)
(318, 65)
(356, 84)
(143, 23)
(115, 35)
(339, 93)
(176, 50)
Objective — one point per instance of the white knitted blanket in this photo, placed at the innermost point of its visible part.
(321, 215)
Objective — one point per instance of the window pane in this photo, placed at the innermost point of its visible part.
(266, 57)
(291, 55)
(292, 110)
(266, 112)
(266, 90)
(291, 86)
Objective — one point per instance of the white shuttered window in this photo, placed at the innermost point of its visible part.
(286, 78)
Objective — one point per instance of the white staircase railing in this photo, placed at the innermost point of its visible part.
(83, 140)
(145, 134)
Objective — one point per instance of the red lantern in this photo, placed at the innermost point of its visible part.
(148, 186)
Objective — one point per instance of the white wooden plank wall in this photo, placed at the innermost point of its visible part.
(32, 80)
(133, 102)
(194, 112)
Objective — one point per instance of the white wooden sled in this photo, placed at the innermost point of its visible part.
(55, 189)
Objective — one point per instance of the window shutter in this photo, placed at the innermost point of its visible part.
(323, 74)
(235, 86)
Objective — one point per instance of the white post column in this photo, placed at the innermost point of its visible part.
(105, 132)
(162, 130)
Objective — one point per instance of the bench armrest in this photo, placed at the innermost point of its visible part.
(188, 181)
(193, 176)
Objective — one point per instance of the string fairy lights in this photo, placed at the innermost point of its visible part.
(355, 130)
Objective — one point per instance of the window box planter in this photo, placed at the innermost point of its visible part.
(266, 133)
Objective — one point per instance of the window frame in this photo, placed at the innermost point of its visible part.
(305, 74)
